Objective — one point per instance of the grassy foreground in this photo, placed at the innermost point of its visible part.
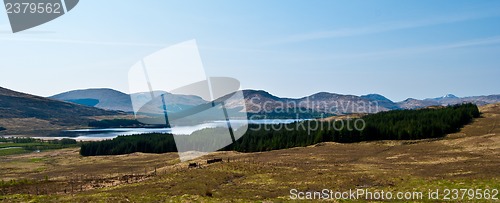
(464, 160)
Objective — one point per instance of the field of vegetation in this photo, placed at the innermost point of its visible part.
(16, 145)
(465, 159)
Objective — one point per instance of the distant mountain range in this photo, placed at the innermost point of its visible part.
(261, 101)
(448, 99)
(20, 112)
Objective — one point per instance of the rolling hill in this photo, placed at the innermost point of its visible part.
(411, 103)
(22, 113)
(110, 99)
(100, 98)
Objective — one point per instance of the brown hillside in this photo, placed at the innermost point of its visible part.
(24, 113)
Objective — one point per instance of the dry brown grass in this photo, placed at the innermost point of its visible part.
(468, 159)
(21, 126)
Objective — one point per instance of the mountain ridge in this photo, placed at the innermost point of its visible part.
(262, 101)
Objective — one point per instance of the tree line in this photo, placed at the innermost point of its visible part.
(390, 125)
(146, 143)
(19, 139)
(29, 140)
(28, 143)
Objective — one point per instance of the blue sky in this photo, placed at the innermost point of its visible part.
(399, 49)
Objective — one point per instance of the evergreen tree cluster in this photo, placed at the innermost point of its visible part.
(2, 128)
(391, 125)
(146, 143)
(23, 140)
(418, 124)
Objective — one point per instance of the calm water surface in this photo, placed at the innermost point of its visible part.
(110, 133)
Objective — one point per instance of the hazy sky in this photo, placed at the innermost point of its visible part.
(400, 49)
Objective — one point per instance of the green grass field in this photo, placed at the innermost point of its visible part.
(12, 151)
(11, 148)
